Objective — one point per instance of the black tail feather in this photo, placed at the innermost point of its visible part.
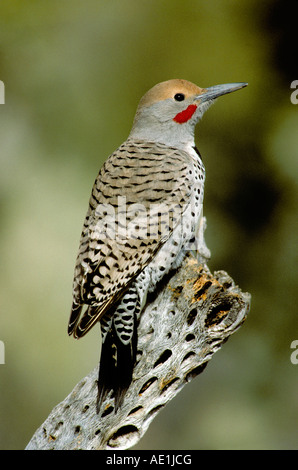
(116, 368)
(107, 369)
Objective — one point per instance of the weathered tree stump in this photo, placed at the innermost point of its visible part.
(190, 317)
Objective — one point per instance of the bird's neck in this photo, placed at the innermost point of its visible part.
(171, 134)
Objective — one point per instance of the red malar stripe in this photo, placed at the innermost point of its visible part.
(185, 115)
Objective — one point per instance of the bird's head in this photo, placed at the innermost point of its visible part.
(169, 111)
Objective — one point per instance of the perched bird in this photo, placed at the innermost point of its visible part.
(143, 217)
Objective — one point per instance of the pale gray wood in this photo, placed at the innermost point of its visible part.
(181, 327)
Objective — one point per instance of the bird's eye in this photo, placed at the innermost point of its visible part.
(179, 97)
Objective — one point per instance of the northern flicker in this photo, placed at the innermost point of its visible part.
(143, 217)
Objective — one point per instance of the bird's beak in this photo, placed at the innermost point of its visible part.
(213, 92)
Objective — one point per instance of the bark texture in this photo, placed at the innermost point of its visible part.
(190, 317)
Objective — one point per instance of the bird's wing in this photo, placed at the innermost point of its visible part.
(137, 200)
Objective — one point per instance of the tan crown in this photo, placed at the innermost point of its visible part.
(168, 89)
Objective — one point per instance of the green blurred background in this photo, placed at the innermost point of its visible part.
(73, 73)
